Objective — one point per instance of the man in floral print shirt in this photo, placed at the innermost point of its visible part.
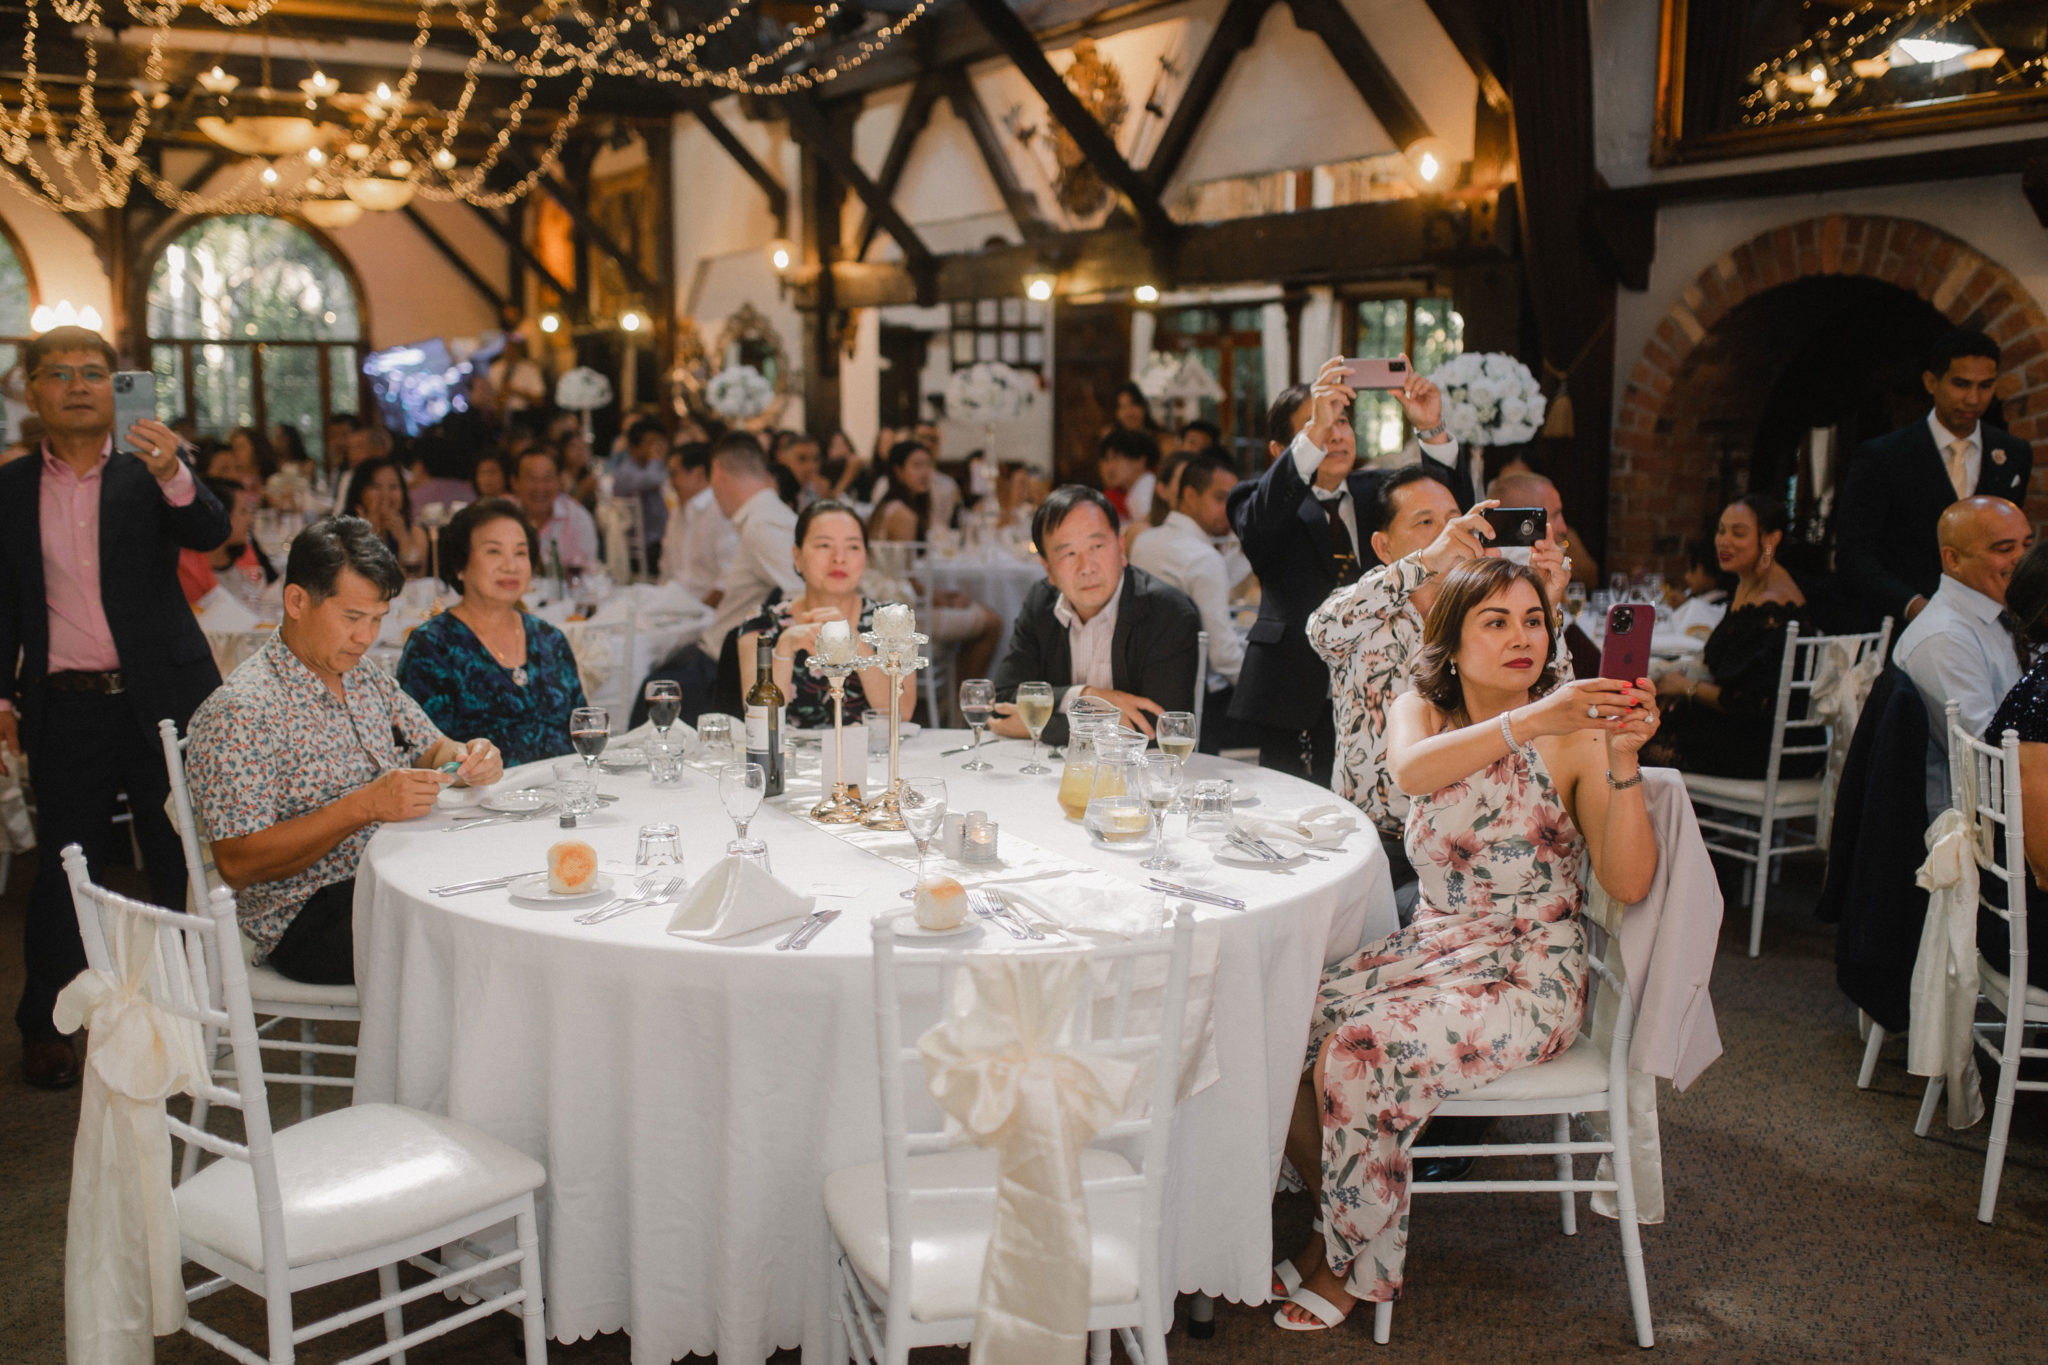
(305, 750)
(1369, 632)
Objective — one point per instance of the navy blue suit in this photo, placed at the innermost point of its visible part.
(85, 748)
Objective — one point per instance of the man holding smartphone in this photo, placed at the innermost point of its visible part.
(96, 646)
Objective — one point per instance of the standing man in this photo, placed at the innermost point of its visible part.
(703, 541)
(1300, 526)
(1895, 488)
(96, 646)
(640, 476)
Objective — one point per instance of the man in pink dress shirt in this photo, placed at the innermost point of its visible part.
(96, 646)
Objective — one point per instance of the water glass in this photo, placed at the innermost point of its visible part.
(660, 845)
(753, 850)
(714, 734)
(1209, 808)
(1160, 777)
(665, 762)
(877, 725)
(575, 791)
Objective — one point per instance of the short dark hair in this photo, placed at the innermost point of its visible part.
(359, 483)
(227, 490)
(58, 341)
(1131, 445)
(740, 452)
(321, 551)
(1280, 426)
(531, 452)
(461, 527)
(1066, 500)
(693, 455)
(1199, 470)
(644, 427)
(1383, 509)
(1207, 428)
(1963, 341)
(820, 508)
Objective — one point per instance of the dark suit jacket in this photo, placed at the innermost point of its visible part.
(1893, 493)
(165, 663)
(1152, 653)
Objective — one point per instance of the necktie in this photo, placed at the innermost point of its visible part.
(1958, 473)
(1343, 554)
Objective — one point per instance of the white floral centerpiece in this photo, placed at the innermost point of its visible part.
(990, 391)
(1490, 399)
(739, 392)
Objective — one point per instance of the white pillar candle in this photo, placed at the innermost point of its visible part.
(835, 642)
(894, 621)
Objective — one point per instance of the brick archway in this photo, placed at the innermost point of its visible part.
(1665, 479)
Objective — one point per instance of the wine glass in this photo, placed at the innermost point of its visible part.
(1160, 776)
(1175, 731)
(664, 704)
(1574, 600)
(740, 788)
(977, 700)
(923, 804)
(1034, 708)
(590, 728)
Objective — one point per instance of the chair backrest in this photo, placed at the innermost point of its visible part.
(604, 662)
(1104, 1022)
(1984, 784)
(197, 858)
(1797, 674)
(197, 955)
(1201, 678)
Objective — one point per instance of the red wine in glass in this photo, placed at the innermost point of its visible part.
(589, 743)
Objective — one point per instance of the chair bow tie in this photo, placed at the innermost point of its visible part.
(1944, 991)
(996, 1067)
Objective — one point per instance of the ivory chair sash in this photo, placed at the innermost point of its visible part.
(1945, 978)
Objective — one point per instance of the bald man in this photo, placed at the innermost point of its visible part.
(1959, 648)
(1524, 487)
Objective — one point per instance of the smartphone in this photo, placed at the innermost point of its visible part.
(134, 399)
(1625, 653)
(1390, 373)
(1517, 526)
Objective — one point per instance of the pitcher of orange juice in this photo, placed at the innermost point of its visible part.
(1077, 777)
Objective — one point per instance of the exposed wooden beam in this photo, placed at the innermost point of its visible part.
(482, 286)
(778, 197)
(515, 242)
(967, 106)
(1478, 42)
(1015, 39)
(1955, 163)
(809, 125)
(917, 112)
(1330, 21)
(1235, 30)
(637, 278)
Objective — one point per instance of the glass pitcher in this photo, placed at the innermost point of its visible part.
(1077, 777)
(1117, 813)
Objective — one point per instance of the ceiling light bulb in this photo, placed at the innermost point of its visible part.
(1428, 166)
(1038, 287)
(218, 82)
(550, 323)
(383, 93)
(320, 86)
(781, 255)
(630, 320)
(400, 166)
(444, 159)
(270, 175)
(1145, 293)
(315, 157)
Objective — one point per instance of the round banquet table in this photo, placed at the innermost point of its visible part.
(688, 1098)
(993, 575)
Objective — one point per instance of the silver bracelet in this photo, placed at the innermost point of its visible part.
(1623, 786)
(1507, 732)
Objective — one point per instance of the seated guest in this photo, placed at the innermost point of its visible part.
(1515, 776)
(1526, 488)
(305, 749)
(799, 455)
(1371, 632)
(2025, 710)
(1198, 436)
(904, 511)
(376, 493)
(1126, 459)
(1958, 649)
(488, 478)
(702, 541)
(1096, 627)
(946, 497)
(579, 471)
(640, 476)
(485, 667)
(831, 555)
(1181, 551)
(238, 561)
(1701, 600)
(561, 525)
(1721, 725)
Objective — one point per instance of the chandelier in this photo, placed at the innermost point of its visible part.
(330, 154)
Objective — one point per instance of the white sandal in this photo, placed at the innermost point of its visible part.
(1284, 1271)
(1325, 1313)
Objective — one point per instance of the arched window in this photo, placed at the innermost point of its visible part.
(253, 322)
(17, 299)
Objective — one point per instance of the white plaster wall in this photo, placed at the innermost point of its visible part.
(63, 264)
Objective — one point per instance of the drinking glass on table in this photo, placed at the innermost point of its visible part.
(1574, 601)
(1160, 776)
(924, 809)
(977, 701)
(740, 788)
(1175, 731)
(1034, 708)
(660, 845)
(575, 791)
(664, 704)
(714, 735)
(590, 728)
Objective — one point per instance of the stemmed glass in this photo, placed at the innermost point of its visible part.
(740, 788)
(1175, 731)
(977, 700)
(923, 805)
(1575, 600)
(1160, 776)
(1034, 708)
(664, 704)
(590, 728)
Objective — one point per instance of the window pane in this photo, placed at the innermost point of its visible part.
(223, 388)
(1378, 420)
(168, 364)
(291, 390)
(1013, 348)
(1439, 333)
(1248, 391)
(14, 300)
(1034, 348)
(344, 385)
(963, 314)
(987, 312)
(1013, 312)
(246, 276)
(1382, 327)
(985, 346)
(963, 348)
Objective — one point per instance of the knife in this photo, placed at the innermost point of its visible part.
(1189, 893)
(814, 928)
(483, 884)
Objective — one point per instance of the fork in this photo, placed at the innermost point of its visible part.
(985, 904)
(640, 888)
(1004, 907)
(645, 894)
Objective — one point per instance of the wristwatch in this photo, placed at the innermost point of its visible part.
(1429, 434)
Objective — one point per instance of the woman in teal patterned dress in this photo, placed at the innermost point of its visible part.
(485, 666)
(1515, 776)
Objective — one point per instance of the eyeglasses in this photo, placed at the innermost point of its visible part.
(65, 376)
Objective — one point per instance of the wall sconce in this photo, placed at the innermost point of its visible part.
(46, 317)
(631, 320)
(1038, 286)
(781, 255)
(1426, 158)
(551, 323)
(1146, 293)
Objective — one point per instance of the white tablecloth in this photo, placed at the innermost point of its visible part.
(688, 1098)
(994, 576)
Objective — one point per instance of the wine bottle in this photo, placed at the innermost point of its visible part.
(764, 717)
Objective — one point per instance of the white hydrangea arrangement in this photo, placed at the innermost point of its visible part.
(1490, 399)
(989, 391)
(739, 392)
(583, 390)
(1156, 379)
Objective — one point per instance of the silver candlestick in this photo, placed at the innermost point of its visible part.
(843, 806)
(899, 660)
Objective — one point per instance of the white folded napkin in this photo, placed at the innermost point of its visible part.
(1087, 903)
(735, 897)
(220, 612)
(1317, 826)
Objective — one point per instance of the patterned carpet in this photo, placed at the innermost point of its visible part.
(1807, 1223)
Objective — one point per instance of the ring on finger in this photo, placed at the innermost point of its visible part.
(1592, 713)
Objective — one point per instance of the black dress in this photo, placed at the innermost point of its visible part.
(2024, 710)
(810, 706)
(1744, 655)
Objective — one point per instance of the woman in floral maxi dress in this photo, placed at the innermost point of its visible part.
(1515, 777)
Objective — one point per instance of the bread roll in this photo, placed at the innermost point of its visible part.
(941, 903)
(572, 867)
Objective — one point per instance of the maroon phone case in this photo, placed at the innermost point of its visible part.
(1626, 655)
